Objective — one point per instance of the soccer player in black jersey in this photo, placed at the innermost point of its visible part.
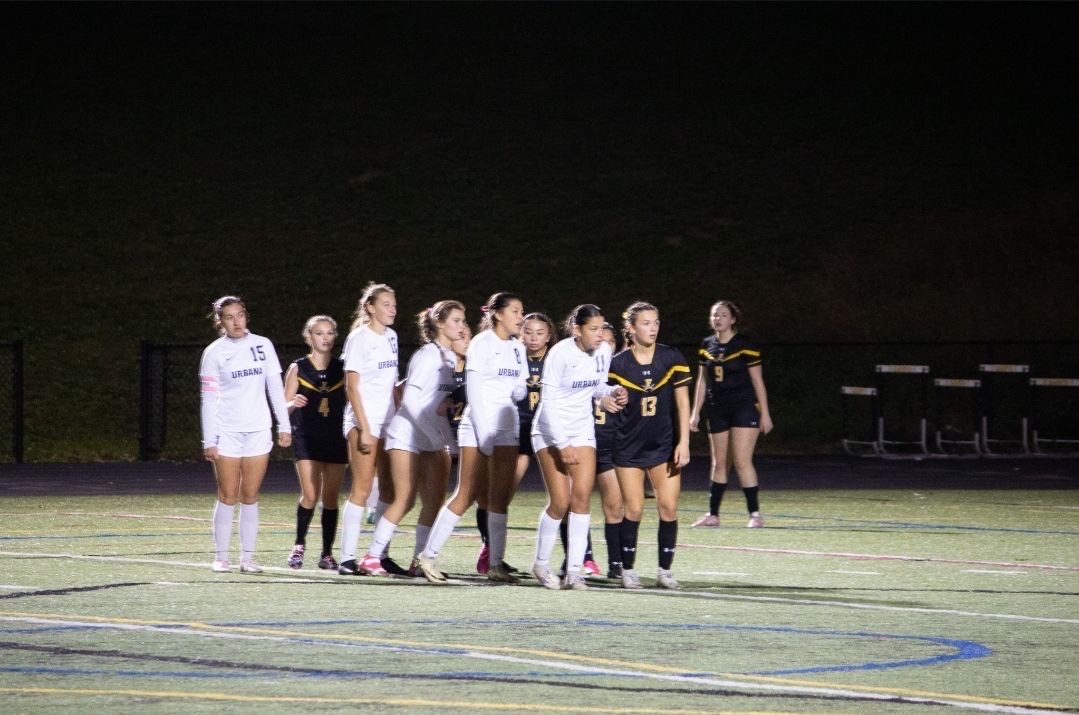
(731, 397)
(606, 480)
(315, 393)
(651, 436)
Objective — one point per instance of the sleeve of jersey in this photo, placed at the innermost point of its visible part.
(753, 355)
(478, 410)
(703, 356)
(275, 388)
(209, 391)
(680, 374)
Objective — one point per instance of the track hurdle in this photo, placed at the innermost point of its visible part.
(903, 395)
(1054, 415)
(1005, 400)
(955, 410)
(861, 413)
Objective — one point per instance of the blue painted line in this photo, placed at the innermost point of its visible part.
(958, 650)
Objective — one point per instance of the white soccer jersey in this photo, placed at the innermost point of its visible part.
(571, 380)
(374, 357)
(236, 377)
(498, 375)
(428, 384)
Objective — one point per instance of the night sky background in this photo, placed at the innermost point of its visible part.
(845, 171)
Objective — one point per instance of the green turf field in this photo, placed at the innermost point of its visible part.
(882, 601)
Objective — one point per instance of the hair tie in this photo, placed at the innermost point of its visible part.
(484, 309)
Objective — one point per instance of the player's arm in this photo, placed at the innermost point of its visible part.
(293, 398)
(698, 399)
(681, 402)
(756, 376)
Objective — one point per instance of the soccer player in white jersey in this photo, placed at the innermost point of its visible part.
(237, 372)
(497, 375)
(418, 436)
(563, 435)
(370, 356)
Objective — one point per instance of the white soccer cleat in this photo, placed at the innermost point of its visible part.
(249, 566)
(631, 580)
(545, 577)
(708, 520)
(755, 521)
(665, 579)
(574, 581)
(221, 566)
(429, 570)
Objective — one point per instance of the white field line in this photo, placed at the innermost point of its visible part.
(996, 573)
(775, 685)
(856, 573)
(880, 557)
(648, 592)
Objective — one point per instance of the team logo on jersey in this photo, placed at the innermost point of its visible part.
(648, 387)
(393, 345)
(517, 354)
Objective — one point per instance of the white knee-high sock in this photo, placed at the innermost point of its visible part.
(249, 530)
(422, 532)
(496, 536)
(441, 531)
(351, 516)
(383, 533)
(222, 518)
(546, 533)
(578, 541)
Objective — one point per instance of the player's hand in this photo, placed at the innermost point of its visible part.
(210, 454)
(621, 396)
(569, 455)
(367, 442)
(298, 401)
(284, 439)
(766, 424)
(694, 423)
(681, 456)
(610, 404)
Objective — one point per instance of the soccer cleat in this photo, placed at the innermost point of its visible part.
(511, 569)
(709, 520)
(501, 574)
(370, 516)
(392, 567)
(414, 569)
(371, 565)
(545, 577)
(483, 561)
(755, 521)
(327, 563)
(249, 566)
(590, 568)
(574, 581)
(614, 573)
(295, 559)
(348, 568)
(430, 571)
(630, 579)
(665, 579)
(221, 566)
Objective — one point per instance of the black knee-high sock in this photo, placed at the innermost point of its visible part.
(715, 498)
(668, 537)
(481, 523)
(752, 503)
(628, 535)
(563, 533)
(329, 529)
(612, 534)
(588, 555)
(303, 523)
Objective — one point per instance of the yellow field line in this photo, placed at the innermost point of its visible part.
(411, 702)
(555, 655)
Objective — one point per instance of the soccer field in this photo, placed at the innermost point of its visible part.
(850, 600)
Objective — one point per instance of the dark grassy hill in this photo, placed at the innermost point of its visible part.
(846, 172)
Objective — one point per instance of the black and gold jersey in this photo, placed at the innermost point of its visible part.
(644, 429)
(526, 408)
(726, 368)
